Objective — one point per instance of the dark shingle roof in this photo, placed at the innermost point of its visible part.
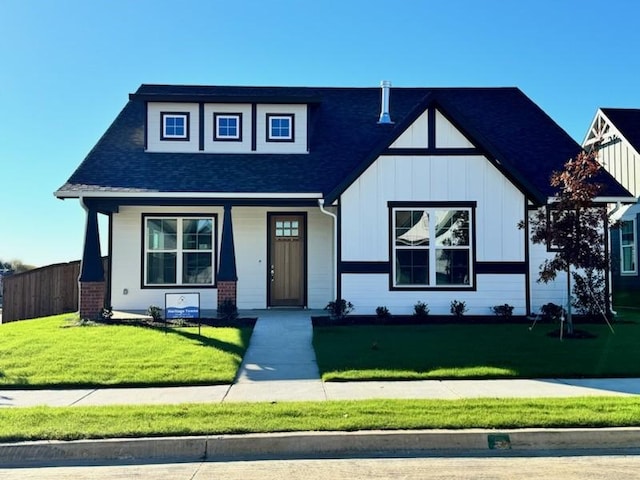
(344, 138)
(627, 120)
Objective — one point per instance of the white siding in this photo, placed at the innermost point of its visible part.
(365, 229)
(416, 136)
(365, 216)
(211, 146)
(154, 127)
(300, 129)
(623, 163)
(543, 293)
(368, 291)
(250, 237)
(447, 136)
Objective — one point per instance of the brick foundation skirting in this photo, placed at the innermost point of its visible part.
(91, 299)
(227, 291)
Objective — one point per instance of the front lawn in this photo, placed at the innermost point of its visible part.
(71, 423)
(54, 352)
(509, 350)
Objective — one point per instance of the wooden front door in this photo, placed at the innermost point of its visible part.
(286, 268)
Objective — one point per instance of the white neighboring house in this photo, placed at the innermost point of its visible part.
(615, 132)
(277, 197)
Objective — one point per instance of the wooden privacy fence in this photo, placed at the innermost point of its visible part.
(49, 290)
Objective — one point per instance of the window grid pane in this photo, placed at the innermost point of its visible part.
(449, 264)
(627, 242)
(280, 127)
(179, 245)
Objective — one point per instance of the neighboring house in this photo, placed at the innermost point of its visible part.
(615, 132)
(292, 197)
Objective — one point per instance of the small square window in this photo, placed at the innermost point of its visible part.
(174, 126)
(227, 127)
(280, 128)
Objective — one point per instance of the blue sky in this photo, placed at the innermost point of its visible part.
(67, 67)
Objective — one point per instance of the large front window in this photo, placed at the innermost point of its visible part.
(179, 251)
(628, 246)
(432, 246)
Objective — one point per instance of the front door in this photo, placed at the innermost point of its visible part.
(286, 268)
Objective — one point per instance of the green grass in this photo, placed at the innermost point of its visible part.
(70, 423)
(475, 351)
(52, 352)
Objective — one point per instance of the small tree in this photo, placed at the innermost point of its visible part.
(572, 226)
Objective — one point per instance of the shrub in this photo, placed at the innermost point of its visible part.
(551, 311)
(458, 308)
(420, 310)
(228, 310)
(106, 313)
(155, 313)
(339, 308)
(383, 313)
(505, 310)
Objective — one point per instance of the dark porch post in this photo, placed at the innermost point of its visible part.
(227, 277)
(91, 280)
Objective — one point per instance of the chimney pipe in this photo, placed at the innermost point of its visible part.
(384, 108)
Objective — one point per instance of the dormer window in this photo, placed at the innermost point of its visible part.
(227, 127)
(175, 126)
(280, 128)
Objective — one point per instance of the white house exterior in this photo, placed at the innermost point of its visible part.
(294, 196)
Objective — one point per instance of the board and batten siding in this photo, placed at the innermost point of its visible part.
(368, 291)
(365, 215)
(622, 161)
(365, 227)
(250, 238)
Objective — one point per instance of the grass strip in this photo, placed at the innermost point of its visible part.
(72, 423)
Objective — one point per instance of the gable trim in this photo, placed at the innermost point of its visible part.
(431, 102)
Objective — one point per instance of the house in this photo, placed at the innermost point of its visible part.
(615, 132)
(294, 196)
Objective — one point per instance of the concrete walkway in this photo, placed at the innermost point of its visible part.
(280, 365)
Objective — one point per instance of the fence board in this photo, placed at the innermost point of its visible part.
(49, 290)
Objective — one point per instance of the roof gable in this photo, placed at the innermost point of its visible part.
(627, 122)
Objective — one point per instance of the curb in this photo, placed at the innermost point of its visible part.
(315, 445)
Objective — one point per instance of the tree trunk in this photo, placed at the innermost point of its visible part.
(569, 316)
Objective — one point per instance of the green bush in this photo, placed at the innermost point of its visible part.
(339, 308)
(458, 308)
(420, 310)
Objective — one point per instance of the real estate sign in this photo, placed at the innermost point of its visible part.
(182, 305)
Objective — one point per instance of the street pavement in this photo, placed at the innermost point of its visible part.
(280, 365)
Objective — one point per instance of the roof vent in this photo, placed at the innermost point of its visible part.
(384, 110)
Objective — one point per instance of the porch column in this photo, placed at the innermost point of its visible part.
(91, 280)
(227, 277)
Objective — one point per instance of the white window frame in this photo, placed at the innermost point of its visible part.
(172, 136)
(280, 138)
(179, 250)
(633, 246)
(432, 247)
(217, 136)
